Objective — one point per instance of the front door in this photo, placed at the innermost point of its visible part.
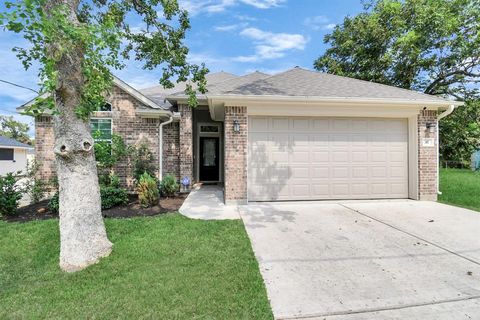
(209, 159)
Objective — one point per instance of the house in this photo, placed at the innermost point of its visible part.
(295, 135)
(13, 155)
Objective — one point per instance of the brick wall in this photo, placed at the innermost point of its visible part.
(133, 129)
(427, 157)
(44, 144)
(186, 142)
(127, 124)
(171, 149)
(236, 155)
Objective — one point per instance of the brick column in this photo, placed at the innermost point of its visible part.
(186, 142)
(44, 156)
(236, 156)
(427, 157)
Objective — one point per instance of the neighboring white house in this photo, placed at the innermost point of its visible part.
(13, 155)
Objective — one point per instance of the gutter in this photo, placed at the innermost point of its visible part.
(447, 112)
(160, 146)
(171, 117)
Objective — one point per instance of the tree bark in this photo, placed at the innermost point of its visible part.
(83, 238)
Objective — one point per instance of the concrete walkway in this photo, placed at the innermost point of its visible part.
(367, 260)
(206, 203)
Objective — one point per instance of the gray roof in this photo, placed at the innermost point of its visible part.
(298, 82)
(159, 93)
(8, 142)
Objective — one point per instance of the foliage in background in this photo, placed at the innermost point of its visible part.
(460, 133)
(147, 190)
(10, 194)
(34, 186)
(431, 46)
(107, 154)
(142, 160)
(13, 129)
(168, 185)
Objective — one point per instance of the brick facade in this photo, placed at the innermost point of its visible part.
(186, 142)
(45, 142)
(236, 155)
(427, 157)
(132, 128)
(171, 149)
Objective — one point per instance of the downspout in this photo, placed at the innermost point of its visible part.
(441, 116)
(160, 146)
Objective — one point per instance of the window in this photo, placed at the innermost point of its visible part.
(6, 154)
(101, 129)
(208, 129)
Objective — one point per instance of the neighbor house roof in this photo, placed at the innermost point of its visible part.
(12, 143)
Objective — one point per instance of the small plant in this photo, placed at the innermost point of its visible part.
(112, 196)
(54, 203)
(147, 189)
(10, 194)
(169, 185)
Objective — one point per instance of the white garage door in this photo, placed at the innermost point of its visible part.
(327, 158)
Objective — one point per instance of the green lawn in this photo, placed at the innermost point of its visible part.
(460, 187)
(164, 267)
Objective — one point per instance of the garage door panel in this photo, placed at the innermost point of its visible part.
(327, 158)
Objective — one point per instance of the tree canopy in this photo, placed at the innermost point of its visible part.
(17, 130)
(432, 46)
(105, 38)
(427, 45)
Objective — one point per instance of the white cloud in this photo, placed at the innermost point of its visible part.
(231, 27)
(319, 23)
(195, 7)
(269, 45)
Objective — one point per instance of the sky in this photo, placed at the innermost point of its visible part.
(236, 36)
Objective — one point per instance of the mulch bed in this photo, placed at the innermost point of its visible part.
(39, 211)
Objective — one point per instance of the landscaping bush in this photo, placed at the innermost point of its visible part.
(143, 161)
(10, 194)
(53, 204)
(147, 190)
(112, 196)
(169, 185)
(34, 186)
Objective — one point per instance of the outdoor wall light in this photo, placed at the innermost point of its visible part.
(430, 127)
(236, 126)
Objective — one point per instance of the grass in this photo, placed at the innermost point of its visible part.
(164, 267)
(460, 187)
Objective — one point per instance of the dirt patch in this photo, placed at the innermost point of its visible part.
(39, 211)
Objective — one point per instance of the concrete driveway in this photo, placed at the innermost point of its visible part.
(367, 260)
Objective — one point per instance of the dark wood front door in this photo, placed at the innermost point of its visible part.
(209, 159)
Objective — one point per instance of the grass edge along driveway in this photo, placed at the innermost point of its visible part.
(460, 187)
(167, 267)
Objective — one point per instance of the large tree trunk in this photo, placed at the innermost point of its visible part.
(83, 239)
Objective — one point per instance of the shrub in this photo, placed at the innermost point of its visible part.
(34, 186)
(109, 180)
(10, 194)
(168, 185)
(53, 204)
(143, 161)
(147, 189)
(109, 196)
(112, 196)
